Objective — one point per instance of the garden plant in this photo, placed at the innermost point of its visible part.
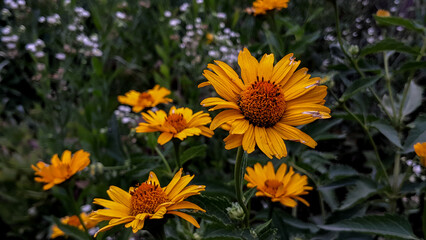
(212, 119)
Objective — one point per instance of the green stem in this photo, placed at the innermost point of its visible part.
(76, 209)
(271, 209)
(176, 144)
(388, 84)
(238, 177)
(367, 131)
(163, 159)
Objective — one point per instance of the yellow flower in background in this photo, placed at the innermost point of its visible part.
(147, 201)
(179, 123)
(150, 98)
(75, 222)
(383, 13)
(266, 104)
(420, 149)
(280, 186)
(60, 169)
(262, 6)
(209, 37)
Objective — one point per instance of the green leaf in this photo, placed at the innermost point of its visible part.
(97, 66)
(215, 208)
(337, 171)
(408, 66)
(70, 230)
(398, 21)
(357, 86)
(262, 227)
(362, 190)
(414, 99)
(193, 152)
(388, 44)
(388, 131)
(416, 134)
(387, 225)
(249, 194)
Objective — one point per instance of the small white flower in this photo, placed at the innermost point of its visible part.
(21, 3)
(11, 45)
(417, 169)
(40, 43)
(66, 2)
(223, 49)
(40, 67)
(5, 12)
(96, 52)
(120, 15)
(86, 208)
(221, 15)
(123, 108)
(60, 56)
(39, 54)
(72, 27)
(199, 1)
(174, 22)
(184, 7)
(31, 47)
(167, 14)
(6, 30)
(409, 162)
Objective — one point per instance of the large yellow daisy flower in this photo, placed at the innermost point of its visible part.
(280, 186)
(179, 123)
(148, 200)
(150, 98)
(60, 170)
(420, 149)
(75, 222)
(262, 6)
(266, 104)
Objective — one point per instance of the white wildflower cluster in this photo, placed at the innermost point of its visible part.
(418, 171)
(36, 48)
(77, 24)
(54, 19)
(11, 4)
(126, 116)
(9, 39)
(226, 45)
(121, 19)
(90, 45)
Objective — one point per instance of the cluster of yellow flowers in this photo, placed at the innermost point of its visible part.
(261, 108)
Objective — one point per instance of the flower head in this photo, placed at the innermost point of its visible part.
(150, 98)
(420, 149)
(382, 13)
(60, 169)
(148, 201)
(280, 186)
(266, 104)
(75, 222)
(262, 6)
(179, 123)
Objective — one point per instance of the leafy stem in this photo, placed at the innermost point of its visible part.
(163, 159)
(238, 177)
(176, 144)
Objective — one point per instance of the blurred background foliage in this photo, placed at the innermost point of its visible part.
(63, 64)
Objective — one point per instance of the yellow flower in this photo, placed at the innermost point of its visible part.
(150, 98)
(179, 123)
(383, 13)
(75, 222)
(60, 170)
(209, 37)
(420, 149)
(147, 200)
(262, 6)
(280, 186)
(266, 104)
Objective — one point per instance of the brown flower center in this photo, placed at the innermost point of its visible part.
(177, 121)
(146, 198)
(145, 97)
(262, 104)
(271, 186)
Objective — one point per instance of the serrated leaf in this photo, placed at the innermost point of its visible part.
(71, 231)
(398, 21)
(357, 86)
(388, 131)
(414, 99)
(215, 208)
(339, 171)
(262, 227)
(412, 66)
(193, 152)
(387, 225)
(249, 194)
(416, 134)
(362, 190)
(388, 44)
